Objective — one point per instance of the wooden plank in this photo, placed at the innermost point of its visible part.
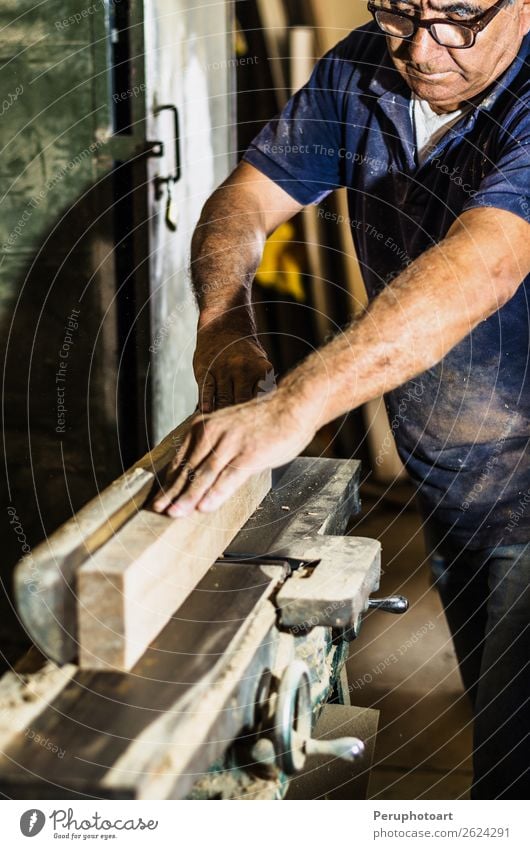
(44, 581)
(24, 694)
(111, 725)
(130, 588)
(276, 33)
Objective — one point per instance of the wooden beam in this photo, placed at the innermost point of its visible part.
(130, 588)
(25, 692)
(45, 579)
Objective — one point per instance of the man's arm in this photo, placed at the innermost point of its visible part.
(408, 328)
(421, 315)
(226, 251)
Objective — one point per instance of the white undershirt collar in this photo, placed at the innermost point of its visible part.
(429, 127)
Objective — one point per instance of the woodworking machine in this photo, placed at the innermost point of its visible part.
(223, 702)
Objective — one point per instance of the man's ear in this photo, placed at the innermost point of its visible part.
(525, 18)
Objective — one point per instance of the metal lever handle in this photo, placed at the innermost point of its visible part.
(392, 604)
(178, 167)
(345, 748)
(170, 213)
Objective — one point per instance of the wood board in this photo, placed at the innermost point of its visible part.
(45, 591)
(130, 588)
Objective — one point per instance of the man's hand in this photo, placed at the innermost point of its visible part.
(229, 365)
(222, 450)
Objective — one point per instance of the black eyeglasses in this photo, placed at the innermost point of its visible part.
(447, 33)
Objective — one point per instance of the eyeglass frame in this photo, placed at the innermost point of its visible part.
(475, 25)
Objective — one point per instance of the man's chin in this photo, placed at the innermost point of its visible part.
(436, 89)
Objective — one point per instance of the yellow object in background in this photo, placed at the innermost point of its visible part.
(240, 41)
(280, 268)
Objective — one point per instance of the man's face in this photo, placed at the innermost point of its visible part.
(446, 77)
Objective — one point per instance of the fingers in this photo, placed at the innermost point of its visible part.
(224, 396)
(203, 474)
(254, 381)
(265, 382)
(206, 393)
(221, 452)
(196, 447)
(243, 390)
(203, 483)
(228, 481)
(163, 499)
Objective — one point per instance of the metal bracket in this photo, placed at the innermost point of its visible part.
(334, 592)
(154, 148)
(291, 563)
(331, 578)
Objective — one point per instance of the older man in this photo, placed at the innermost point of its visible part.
(424, 116)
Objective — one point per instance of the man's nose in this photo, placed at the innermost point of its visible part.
(423, 48)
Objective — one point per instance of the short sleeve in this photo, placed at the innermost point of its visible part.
(299, 149)
(507, 185)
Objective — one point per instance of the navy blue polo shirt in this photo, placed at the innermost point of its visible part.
(462, 427)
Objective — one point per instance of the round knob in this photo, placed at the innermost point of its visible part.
(393, 604)
(293, 723)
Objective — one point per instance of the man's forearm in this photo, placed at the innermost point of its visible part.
(226, 251)
(230, 361)
(406, 330)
